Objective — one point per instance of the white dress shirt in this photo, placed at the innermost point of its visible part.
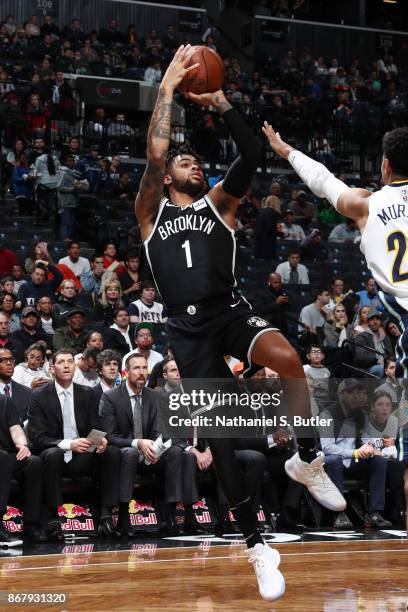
(66, 444)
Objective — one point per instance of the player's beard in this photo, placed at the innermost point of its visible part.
(191, 188)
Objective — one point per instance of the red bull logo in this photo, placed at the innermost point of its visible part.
(202, 512)
(142, 513)
(9, 521)
(71, 515)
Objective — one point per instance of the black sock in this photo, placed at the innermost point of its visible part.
(106, 513)
(171, 511)
(307, 449)
(189, 515)
(123, 509)
(248, 522)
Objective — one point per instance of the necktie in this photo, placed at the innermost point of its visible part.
(7, 390)
(69, 433)
(293, 277)
(137, 417)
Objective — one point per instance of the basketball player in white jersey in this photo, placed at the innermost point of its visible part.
(382, 218)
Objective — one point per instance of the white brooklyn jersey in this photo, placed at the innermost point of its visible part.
(385, 240)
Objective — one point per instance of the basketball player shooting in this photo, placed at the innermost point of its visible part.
(188, 235)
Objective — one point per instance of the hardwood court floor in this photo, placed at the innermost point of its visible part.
(355, 576)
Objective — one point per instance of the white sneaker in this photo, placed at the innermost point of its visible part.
(313, 476)
(266, 561)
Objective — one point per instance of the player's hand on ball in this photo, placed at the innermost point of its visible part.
(178, 68)
(278, 145)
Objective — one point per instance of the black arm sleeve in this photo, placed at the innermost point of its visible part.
(239, 176)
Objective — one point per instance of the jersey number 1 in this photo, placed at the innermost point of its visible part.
(401, 247)
(186, 246)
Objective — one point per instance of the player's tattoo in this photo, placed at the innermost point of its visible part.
(222, 105)
(151, 185)
(160, 121)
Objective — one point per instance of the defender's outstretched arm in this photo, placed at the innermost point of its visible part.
(352, 203)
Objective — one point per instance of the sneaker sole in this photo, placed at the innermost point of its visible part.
(12, 543)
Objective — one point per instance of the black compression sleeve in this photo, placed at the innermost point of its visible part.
(239, 176)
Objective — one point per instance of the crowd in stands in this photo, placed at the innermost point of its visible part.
(93, 321)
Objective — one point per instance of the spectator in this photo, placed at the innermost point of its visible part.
(369, 297)
(110, 263)
(130, 279)
(375, 339)
(91, 281)
(315, 315)
(30, 331)
(48, 27)
(39, 286)
(74, 33)
(123, 189)
(39, 149)
(85, 368)
(7, 341)
(144, 343)
(153, 74)
(118, 128)
(90, 169)
(63, 443)
(37, 117)
(146, 309)
(23, 181)
(303, 210)
(95, 340)
(391, 384)
(120, 336)
(34, 372)
(337, 292)
(46, 171)
(344, 455)
(7, 285)
(16, 460)
(32, 28)
(109, 301)
(88, 53)
(17, 272)
(73, 336)
(79, 265)
(338, 329)
(96, 126)
(289, 229)
(272, 303)
(19, 394)
(320, 374)
(67, 187)
(72, 149)
(292, 271)
(7, 304)
(393, 332)
(13, 155)
(361, 324)
(312, 248)
(135, 438)
(345, 232)
(274, 200)
(66, 301)
(48, 321)
(170, 40)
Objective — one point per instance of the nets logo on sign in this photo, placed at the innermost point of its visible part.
(108, 92)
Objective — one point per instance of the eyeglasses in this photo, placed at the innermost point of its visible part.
(7, 360)
(316, 352)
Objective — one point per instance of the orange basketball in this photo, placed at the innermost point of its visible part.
(208, 77)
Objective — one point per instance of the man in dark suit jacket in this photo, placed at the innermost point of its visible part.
(7, 340)
(20, 394)
(129, 415)
(60, 416)
(17, 461)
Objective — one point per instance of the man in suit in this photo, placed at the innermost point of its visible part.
(16, 461)
(129, 415)
(107, 365)
(19, 394)
(60, 417)
(121, 335)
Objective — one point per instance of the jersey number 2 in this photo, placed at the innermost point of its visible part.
(186, 246)
(397, 241)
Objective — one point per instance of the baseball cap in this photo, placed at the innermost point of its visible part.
(30, 310)
(348, 384)
(74, 311)
(300, 192)
(148, 326)
(288, 210)
(374, 313)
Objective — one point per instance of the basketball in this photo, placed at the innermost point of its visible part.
(208, 77)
